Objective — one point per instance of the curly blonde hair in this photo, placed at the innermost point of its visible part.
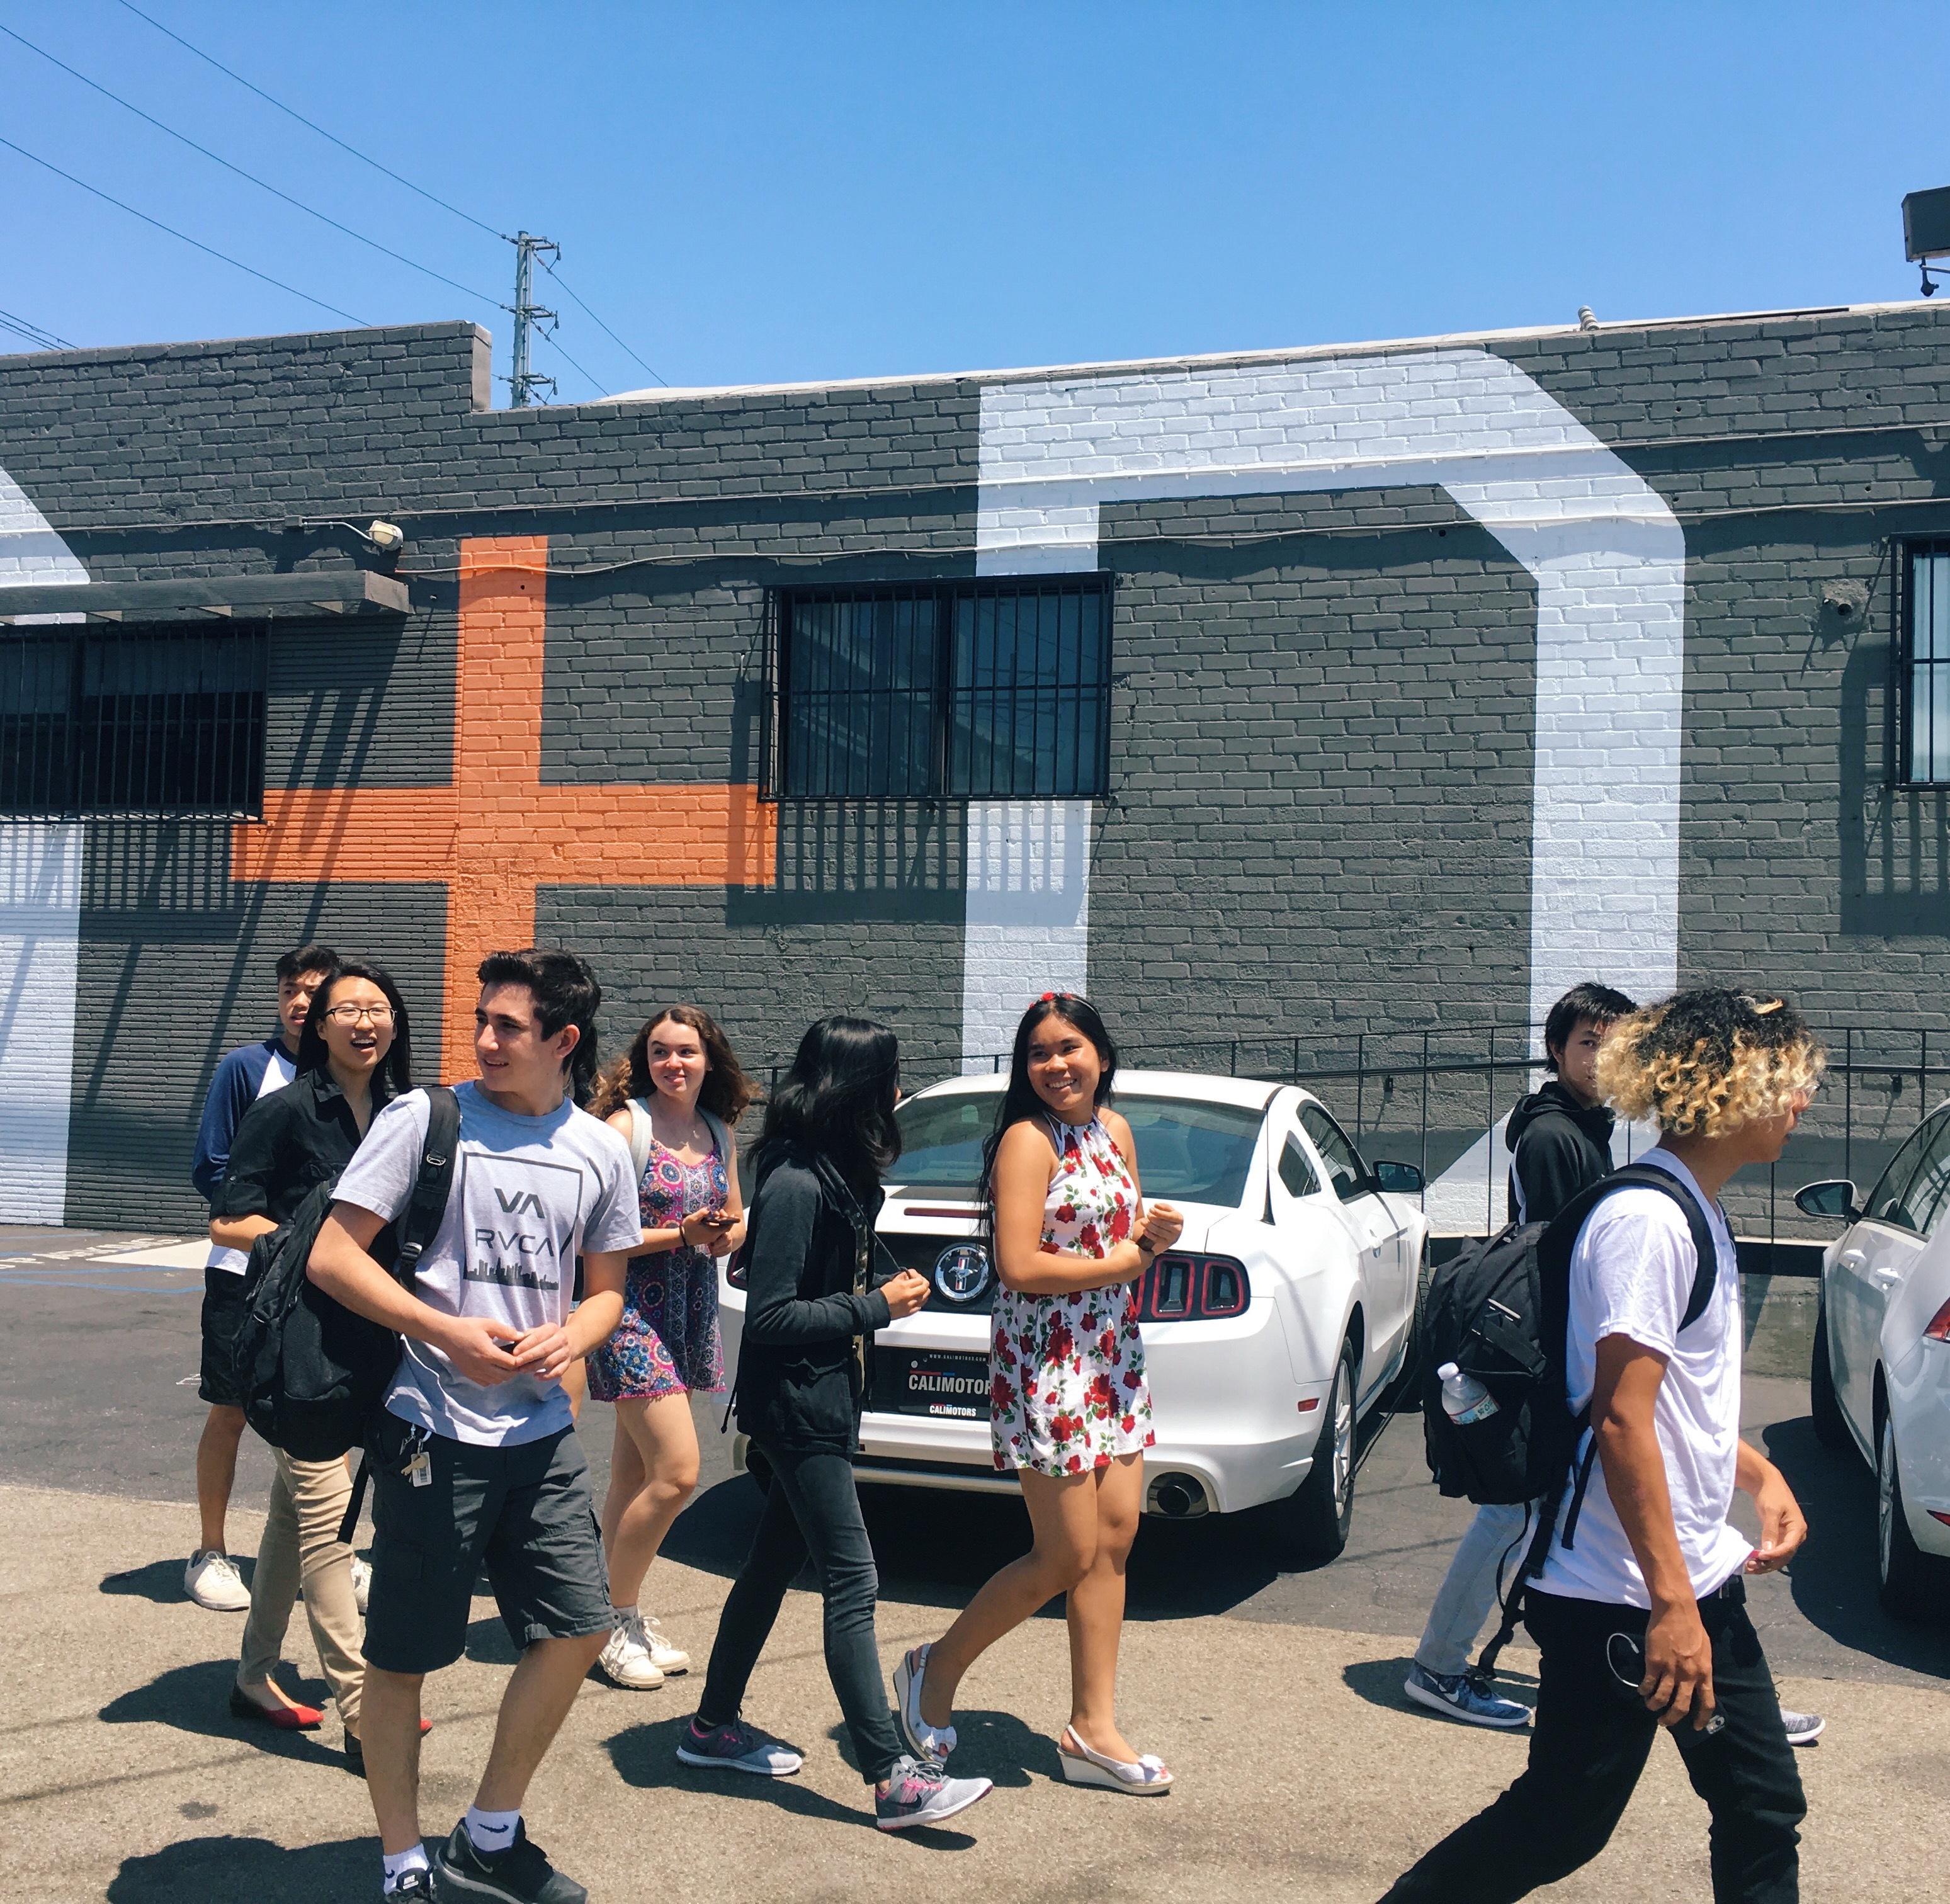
(1707, 1062)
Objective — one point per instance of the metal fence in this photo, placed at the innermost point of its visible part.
(1439, 1098)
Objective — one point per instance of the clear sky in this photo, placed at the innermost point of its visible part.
(750, 193)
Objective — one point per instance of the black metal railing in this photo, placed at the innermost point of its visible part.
(1436, 1098)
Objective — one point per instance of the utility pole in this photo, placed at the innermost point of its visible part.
(522, 382)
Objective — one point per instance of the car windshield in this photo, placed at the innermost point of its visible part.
(1188, 1150)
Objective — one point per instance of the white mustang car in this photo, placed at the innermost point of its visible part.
(1880, 1380)
(1287, 1308)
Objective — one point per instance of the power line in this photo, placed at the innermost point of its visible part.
(364, 159)
(210, 251)
(250, 178)
(596, 321)
(466, 217)
(555, 343)
(34, 334)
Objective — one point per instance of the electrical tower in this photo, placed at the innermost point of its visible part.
(522, 382)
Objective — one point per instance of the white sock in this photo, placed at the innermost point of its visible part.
(620, 1614)
(492, 1831)
(398, 1863)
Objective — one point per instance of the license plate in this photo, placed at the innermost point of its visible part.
(935, 1381)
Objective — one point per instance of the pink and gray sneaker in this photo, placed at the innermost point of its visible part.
(737, 1747)
(920, 1792)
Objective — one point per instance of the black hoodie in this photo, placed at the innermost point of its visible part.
(1558, 1147)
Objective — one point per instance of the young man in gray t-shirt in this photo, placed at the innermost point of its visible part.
(475, 1456)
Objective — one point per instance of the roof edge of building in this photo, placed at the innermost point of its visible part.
(199, 347)
(1216, 359)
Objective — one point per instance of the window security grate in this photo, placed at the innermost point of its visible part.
(972, 689)
(133, 724)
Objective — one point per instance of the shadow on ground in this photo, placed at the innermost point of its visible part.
(196, 1700)
(1833, 1578)
(1380, 1682)
(162, 1581)
(244, 1870)
(936, 1549)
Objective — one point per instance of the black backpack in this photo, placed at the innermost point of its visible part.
(311, 1373)
(1499, 1310)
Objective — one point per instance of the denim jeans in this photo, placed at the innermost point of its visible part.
(1468, 1590)
(812, 1509)
(1591, 1741)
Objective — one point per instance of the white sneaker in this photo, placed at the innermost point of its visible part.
(626, 1660)
(669, 1659)
(362, 1580)
(211, 1579)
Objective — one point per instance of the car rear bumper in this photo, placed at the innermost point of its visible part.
(1233, 1429)
(1919, 1399)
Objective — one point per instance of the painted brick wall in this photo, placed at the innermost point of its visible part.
(1323, 731)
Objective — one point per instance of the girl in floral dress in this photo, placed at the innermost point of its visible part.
(1070, 1408)
(674, 1095)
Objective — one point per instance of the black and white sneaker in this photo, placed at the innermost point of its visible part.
(415, 1887)
(518, 1875)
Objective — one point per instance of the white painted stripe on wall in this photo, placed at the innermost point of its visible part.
(1028, 923)
(1606, 554)
(40, 934)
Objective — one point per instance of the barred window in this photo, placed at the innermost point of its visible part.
(168, 723)
(974, 690)
(1923, 683)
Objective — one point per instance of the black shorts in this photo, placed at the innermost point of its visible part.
(222, 1307)
(524, 1513)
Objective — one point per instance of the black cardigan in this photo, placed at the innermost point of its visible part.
(797, 1383)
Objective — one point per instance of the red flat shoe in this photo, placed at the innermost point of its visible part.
(280, 1718)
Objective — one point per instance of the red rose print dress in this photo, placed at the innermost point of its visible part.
(1067, 1391)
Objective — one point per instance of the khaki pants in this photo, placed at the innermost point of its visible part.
(301, 1543)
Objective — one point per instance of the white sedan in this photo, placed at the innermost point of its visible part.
(1880, 1380)
(1280, 1320)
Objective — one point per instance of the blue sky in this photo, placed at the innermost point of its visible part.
(750, 193)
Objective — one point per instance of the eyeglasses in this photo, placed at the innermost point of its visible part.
(353, 1014)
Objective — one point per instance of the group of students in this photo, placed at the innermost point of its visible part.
(575, 1238)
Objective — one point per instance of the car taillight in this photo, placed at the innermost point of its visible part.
(1181, 1288)
(1939, 1330)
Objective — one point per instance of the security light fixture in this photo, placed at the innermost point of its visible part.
(1925, 231)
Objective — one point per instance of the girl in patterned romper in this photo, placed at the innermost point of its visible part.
(1069, 1409)
(680, 1072)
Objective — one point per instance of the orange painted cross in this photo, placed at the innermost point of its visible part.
(498, 832)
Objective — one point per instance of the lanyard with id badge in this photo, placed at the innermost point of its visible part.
(417, 1469)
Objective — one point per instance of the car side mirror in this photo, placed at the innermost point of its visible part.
(1835, 1198)
(1404, 1179)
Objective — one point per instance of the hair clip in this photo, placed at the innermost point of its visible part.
(1046, 997)
(1761, 1010)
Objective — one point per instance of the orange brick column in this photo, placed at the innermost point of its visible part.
(498, 832)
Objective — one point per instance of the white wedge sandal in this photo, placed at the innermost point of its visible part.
(1148, 1778)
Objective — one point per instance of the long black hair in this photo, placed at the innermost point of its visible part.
(393, 1077)
(1020, 1100)
(839, 1099)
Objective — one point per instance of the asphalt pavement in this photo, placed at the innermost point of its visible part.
(1275, 1695)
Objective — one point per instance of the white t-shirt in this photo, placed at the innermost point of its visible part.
(1631, 1273)
(277, 1073)
(528, 1193)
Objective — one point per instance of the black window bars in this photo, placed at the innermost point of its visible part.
(1923, 665)
(970, 689)
(133, 723)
